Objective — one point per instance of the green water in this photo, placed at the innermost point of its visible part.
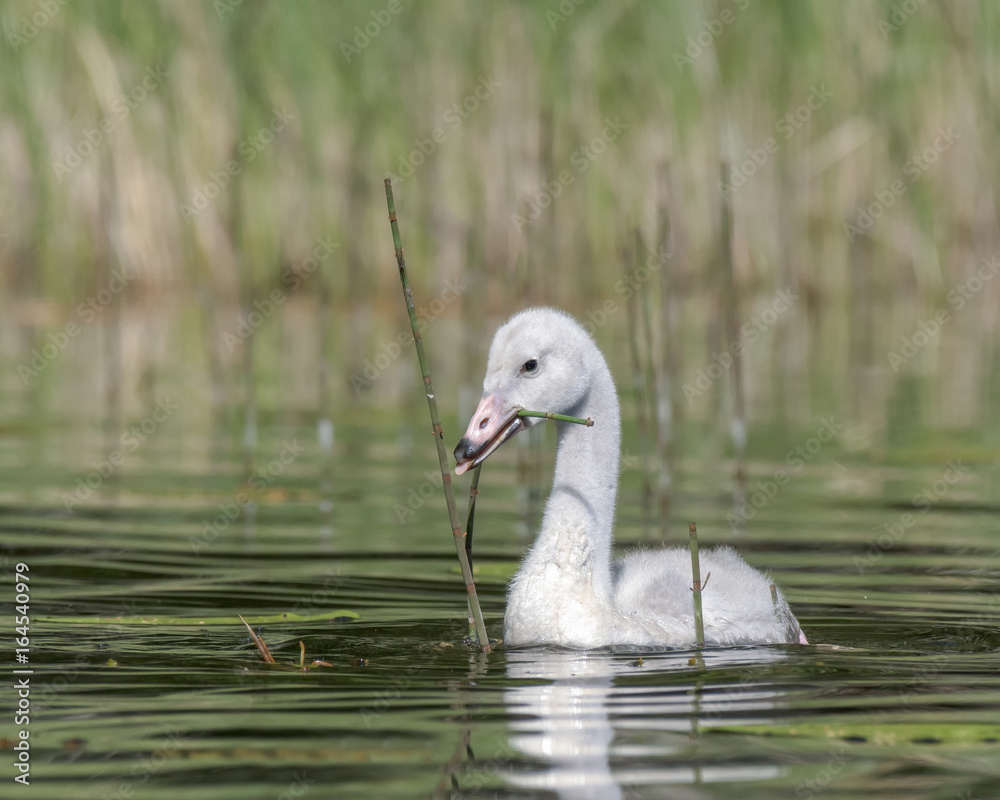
(164, 373)
(145, 684)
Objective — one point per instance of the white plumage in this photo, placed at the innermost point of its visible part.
(569, 591)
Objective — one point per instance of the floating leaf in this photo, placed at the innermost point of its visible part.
(269, 619)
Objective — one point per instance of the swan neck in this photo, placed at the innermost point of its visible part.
(585, 486)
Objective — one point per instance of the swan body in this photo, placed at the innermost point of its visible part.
(569, 591)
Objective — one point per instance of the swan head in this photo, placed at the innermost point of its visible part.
(541, 360)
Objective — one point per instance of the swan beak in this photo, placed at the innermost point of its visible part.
(490, 427)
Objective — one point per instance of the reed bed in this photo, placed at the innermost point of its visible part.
(219, 154)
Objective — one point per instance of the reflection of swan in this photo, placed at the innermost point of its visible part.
(568, 726)
(569, 592)
(569, 722)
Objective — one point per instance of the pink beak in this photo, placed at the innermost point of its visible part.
(490, 427)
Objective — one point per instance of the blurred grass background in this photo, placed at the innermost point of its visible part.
(356, 92)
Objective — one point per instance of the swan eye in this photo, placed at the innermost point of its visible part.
(530, 365)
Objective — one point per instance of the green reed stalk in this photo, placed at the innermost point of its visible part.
(732, 327)
(473, 493)
(699, 623)
(649, 365)
(463, 559)
(629, 262)
(667, 410)
(561, 417)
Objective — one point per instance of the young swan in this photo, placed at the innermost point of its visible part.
(569, 591)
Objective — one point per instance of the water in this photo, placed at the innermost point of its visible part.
(145, 683)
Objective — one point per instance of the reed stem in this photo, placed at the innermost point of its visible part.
(425, 371)
(561, 417)
(732, 326)
(667, 371)
(699, 624)
(629, 262)
(650, 363)
(473, 493)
